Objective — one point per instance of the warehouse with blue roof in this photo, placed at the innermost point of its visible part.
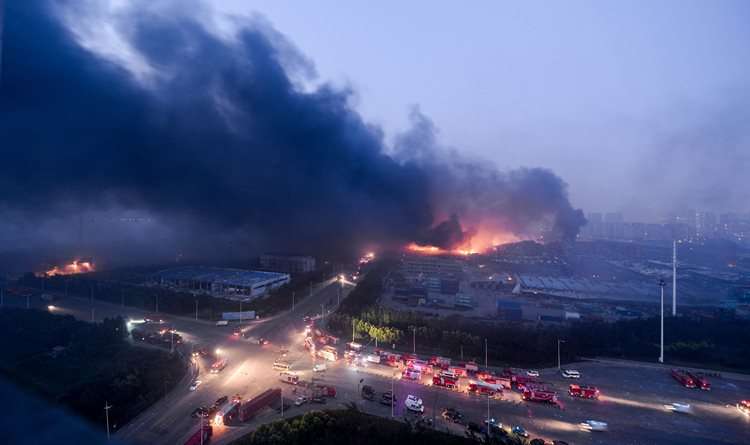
(236, 284)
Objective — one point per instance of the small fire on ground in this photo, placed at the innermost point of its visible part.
(72, 268)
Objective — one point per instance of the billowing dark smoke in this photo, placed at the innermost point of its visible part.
(221, 138)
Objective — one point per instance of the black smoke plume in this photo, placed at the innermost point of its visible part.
(218, 138)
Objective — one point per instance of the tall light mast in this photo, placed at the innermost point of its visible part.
(674, 278)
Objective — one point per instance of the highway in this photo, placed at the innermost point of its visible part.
(633, 394)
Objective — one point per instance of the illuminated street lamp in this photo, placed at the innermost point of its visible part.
(218, 351)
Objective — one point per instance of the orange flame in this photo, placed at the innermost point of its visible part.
(75, 267)
(480, 242)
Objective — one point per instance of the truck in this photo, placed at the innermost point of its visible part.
(372, 358)
(583, 391)
(458, 370)
(442, 362)
(201, 436)
(256, 404)
(700, 381)
(218, 366)
(227, 413)
(288, 377)
(539, 395)
(444, 382)
(683, 378)
(354, 346)
(281, 365)
(328, 353)
(482, 388)
(411, 374)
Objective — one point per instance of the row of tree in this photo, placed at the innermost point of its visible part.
(350, 426)
(84, 365)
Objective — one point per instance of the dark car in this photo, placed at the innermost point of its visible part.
(201, 411)
(475, 428)
(453, 415)
(318, 399)
(368, 393)
(559, 442)
(220, 401)
(519, 431)
(387, 398)
(537, 441)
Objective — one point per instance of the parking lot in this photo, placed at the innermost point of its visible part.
(632, 404)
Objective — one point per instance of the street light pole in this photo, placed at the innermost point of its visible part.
(196, 309)
(106, 416)
(393, 395)
(292, 301)
(157, 303)
(414, 339)
(661, 341)
(558, 352)
(485, 353)
(322, 311)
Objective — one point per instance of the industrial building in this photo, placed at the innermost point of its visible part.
(291, 264)
(236, 284)
(422, 266)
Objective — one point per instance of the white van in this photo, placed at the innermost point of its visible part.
(222, 323)
(319, 367)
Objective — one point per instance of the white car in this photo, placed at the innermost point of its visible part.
(593, 425)
(301, 400)
(195, 385)
(571, 374)
(532, 373)
(319, 367)
(414, 403)
(678, 407)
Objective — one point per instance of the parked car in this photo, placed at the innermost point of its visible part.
(571, 374)
(195, 385)
(494, 427)
(414, 404)
(301, 400)
(453, 415)
(387, 398)
(368, 393)
(220, 401)
(532, 373)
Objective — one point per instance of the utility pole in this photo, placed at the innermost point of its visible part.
(661, 341)
(393, 395)
(414, 339)
(92, 315)
(674, 278)
(352, 330)
(485, 354)
(292, 301)
(488, 413)
(196, 309)
(558, 352)
(171, 341)
(282, 402)
(106, 416)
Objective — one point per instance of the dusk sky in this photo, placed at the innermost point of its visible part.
(607, 94)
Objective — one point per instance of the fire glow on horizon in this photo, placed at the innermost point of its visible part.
(481, 242)
(72, 268)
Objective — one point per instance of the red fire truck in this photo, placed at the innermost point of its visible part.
(700, 381)
(683, 378)
(479, 387)
(539, 395)
(329, 353)
(584, 392)
(445, 381)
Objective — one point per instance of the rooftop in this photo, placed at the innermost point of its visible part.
(228, 277)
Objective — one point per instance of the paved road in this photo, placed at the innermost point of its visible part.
(632, 400)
